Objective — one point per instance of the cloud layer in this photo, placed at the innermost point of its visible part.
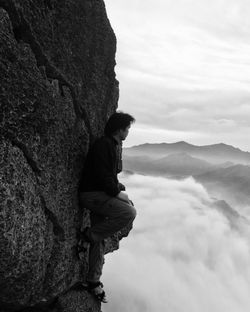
(184, 66)
(183, 255)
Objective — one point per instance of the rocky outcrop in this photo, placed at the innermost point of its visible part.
(58, 88)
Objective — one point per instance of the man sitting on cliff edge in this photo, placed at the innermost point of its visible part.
(101, 193)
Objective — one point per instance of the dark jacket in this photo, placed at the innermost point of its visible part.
(102, 165)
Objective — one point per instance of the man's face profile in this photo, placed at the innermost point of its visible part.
(123, 133)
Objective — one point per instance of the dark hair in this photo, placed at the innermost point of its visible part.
(118, 120)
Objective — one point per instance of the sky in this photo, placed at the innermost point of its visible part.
(184, 69)
(182, 255)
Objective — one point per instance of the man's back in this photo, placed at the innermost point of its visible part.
(101, 167)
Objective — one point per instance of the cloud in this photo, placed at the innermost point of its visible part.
(182, 255)
(185, 55)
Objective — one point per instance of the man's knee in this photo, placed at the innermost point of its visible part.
(131, 213)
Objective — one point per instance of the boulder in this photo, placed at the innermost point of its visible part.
(57, 90)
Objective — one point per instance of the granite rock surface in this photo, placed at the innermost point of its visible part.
(57, 90)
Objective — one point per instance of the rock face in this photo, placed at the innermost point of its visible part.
(58, 88)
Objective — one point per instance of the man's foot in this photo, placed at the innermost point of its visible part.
(96, 289)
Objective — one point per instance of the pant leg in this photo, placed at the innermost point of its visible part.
(96, 261)
(96, 253)
(108, 215)
(117, 213)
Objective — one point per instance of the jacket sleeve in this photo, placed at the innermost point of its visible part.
(119, 158)
(104, 169)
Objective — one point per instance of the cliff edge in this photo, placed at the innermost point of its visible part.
(57, 90)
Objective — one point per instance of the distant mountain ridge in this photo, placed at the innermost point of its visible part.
(233, 182)
(223, 169)
(182, 163)
(179, 164)
(215, 153)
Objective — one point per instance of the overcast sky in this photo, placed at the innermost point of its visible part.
(184, 69)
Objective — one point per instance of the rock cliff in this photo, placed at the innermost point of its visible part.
(58, 88)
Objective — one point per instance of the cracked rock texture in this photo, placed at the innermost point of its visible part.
(57, 90)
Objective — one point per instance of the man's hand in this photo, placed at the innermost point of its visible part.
(122, 187)
(124, 197)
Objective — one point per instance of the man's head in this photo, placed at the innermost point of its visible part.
(118, 125)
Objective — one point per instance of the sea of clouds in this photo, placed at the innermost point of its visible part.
(183, 255)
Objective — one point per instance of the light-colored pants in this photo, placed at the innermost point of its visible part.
(108, 216)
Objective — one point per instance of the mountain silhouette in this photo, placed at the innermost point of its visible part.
(232, 183)
(214, 154)
(179, 164)
(222, 169)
